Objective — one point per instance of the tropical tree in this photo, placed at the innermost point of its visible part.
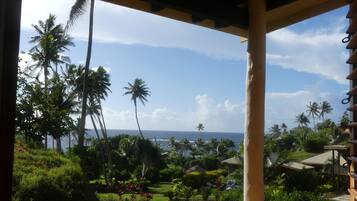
(325, 108)
(275, 130)
(226, 148)
(284, 127)
(98, 88)
(200, 127)
(50, 41)
(345, 120)
(313, 110)
(302, 120)
(27, 121)
(57, 110)
(137, 90)
(76, 11)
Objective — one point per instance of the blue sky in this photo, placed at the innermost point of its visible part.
(198, 75)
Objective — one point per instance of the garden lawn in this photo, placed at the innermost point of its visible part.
(158, 191)
(299, 155)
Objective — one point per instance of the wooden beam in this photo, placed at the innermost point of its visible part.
(186, 16)
(196, 19)
(300, 10)
(218, 25)
(255, 103)
(156, 8)
(10, 15)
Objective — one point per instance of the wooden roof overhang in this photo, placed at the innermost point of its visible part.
(231, 16)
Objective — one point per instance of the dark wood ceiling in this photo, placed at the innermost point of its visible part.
(231, 16)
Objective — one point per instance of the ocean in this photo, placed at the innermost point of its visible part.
(162, 137)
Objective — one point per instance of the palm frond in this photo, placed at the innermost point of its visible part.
(77, 10)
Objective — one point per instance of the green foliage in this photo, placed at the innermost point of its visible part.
(179, 192)
(279, 195)
(197, 179)
(171, 172)
(230, 195)
(306, 180)
(107, 197)
(45, 175)
(315, 142)
(87, 155)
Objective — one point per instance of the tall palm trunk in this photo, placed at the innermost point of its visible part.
(106, 142)
(58, 145)
(102, 150)
(86, 70)
(137, 120)
(69, 141)
(46, 94)
(94, 126)
(102, 116)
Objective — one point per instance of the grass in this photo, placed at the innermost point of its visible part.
(158, 191)
(299, 155)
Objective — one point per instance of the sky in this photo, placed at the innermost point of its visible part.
(197, 75)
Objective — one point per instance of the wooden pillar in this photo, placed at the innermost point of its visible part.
(333, 170)
(10, 14)
(255, 102)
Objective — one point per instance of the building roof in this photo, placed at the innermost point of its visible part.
(336, 147)
(296, 166)
(232, 161)
(231, 16)
(323, 159)
(195, 168)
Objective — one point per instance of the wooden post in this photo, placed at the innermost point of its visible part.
(255, 102)
(333, 170)
(10, 14)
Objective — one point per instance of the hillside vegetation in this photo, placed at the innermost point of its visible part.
(47, 175)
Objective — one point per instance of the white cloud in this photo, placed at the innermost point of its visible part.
(284, 107)
(116, 24)
(319, 52)
(226, 115)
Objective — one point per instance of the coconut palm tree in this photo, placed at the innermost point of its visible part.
(284, 127)
(50, 41)
(137, 90)
(325, 108)
(76, 11)
(302, 120)
(200, 127)
(313, 110)
(275, 130)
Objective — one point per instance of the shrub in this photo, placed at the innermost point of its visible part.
(315, 143)
(198, 179)
(171, 172)
(180, 192)
(194, 179)
(87, 155)
(231, 195)
(46, 175)
(279, 195)
(306, 180)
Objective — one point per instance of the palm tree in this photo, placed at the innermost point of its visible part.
(325, 108)
(275, 130)
(137, 90)
(313, 110)
(284, 127)
(200, 127)
(302, 120)
(76, 11)
(57, 110)
(50, 41)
